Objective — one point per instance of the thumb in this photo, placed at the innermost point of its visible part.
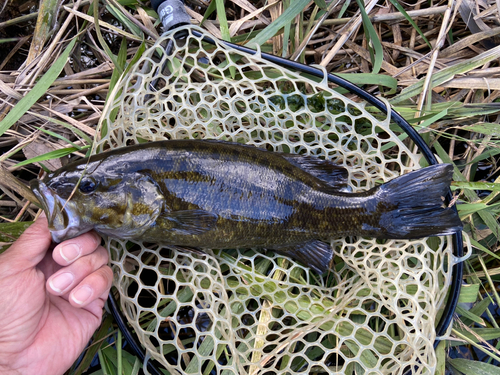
(30, 248)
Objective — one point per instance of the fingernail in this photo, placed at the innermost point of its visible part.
(98, 239)
(70, 252)
(81, 295)
(61, 282)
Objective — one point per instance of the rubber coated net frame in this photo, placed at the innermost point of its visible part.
(252, 312)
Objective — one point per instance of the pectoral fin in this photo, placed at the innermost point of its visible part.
(314, 254)
(188, 222)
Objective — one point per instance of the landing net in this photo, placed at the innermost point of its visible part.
(253, 312)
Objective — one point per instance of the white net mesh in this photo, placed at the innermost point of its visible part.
(250, 312)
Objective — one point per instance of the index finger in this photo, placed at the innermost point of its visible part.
(70, 250)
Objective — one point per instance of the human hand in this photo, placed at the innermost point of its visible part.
(51, 301)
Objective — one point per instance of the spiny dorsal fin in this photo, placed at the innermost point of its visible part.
(334, 176)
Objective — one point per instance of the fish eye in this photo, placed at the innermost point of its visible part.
(87, 185)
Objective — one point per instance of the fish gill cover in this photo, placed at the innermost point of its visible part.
(248, 312)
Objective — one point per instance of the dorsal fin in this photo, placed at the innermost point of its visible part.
(331, 174)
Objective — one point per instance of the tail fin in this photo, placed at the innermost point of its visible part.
(416, 204)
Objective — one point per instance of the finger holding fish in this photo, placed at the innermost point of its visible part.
(92, 291)
(85, 279)
(69, 251)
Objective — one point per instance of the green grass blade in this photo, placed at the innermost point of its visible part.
(115, 77)
(478, 246)
(137, 367)
(64, 124)
(104, 45)
(448, 73)
(485, 214)
(373, 41)
(121, 59)
(344, 8)
(441, 358)
(491, 221)
(475, 186)
(221, 14)
(468, 293)
(321, 4)
(398, 6)
(134, 29)
(469, 367)
(488, 153)
(286, 32)
(466, 209)
(38, 90)
(429, 121)
(129, 3)
(478, 309)
(105, 366)
(119, 364)
(286, 17)
(486, 128)
(210, 9)
(370, 79)
(134, 59)
(455, 110)
(224, 28)
(469, 315)
(52, 155)
(58, 136)
(485, 333)
(480, 347)
(98, 342)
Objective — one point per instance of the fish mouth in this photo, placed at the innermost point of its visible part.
(62, 216)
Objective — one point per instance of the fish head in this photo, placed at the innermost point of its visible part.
(84, 197)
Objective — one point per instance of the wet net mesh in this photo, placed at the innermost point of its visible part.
(248, 311)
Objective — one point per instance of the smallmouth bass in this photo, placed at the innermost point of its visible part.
(194, 194)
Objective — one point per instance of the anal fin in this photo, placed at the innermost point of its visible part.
(185, 249)
(314, 254)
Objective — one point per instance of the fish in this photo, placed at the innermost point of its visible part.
(208, 194)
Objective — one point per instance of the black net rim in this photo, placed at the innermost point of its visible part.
(458, 251)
